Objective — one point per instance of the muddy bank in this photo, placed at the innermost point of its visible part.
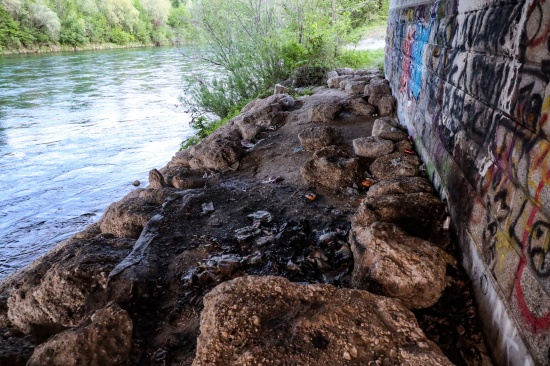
(325, 191)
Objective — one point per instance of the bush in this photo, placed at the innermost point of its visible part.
(73, 30)
(119, 36)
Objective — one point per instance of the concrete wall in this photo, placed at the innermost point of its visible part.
(472, 83)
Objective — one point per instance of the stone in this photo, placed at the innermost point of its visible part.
(384, 103)
(324, 112)
(269, 320)
(394, 165)
(181, 158)
(331, 74)
(334, 82)
(345, 71)
(105, 340)
(372, 147)
(136, 183)
(62, 293)
(333, 168)
(127, 217)
(403, 145)
(156, 179)
(401, 185)
(280, 89)
(398, 265)
(355, 87)
(216, 154)
(388, 128)
(418, 213)
(377, 87)
(190, 182)
(360, 108)
(315, 138)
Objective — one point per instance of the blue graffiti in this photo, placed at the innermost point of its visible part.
(422, 35)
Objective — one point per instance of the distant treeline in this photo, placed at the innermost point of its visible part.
(32, 23)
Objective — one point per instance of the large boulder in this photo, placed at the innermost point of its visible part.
(395, 165)
(61, 293)
(377, 86)
(315, 138)
(127, 217)
(359, 107)
(384, 103)
(105, 341)
(261, 114)
(355, 86)
(401, 185)
(15, 347)
(398, 265)
(269, 320)
(372, 147)
(324, 111)
(334, 81)
(332, 167)
(216, 154)
(388, 128)
(418, 213)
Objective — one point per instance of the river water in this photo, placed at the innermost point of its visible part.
(76, 129)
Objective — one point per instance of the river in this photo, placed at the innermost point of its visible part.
(76, 130)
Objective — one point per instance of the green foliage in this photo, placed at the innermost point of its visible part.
(119, 36)
(31, 23)
(73, 31)
(366, 59)
(204, 127)
(258, 43)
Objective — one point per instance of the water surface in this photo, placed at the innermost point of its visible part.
(76, 129)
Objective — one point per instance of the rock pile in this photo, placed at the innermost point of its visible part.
(270, 197)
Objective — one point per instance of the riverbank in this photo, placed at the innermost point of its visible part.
(67, 48)
(324, 190)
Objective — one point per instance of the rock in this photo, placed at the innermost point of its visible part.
(345, 71)
(403, 146)
(181, 158)
(324, 112)
(61, 294)
(388, 128)
(269, 320)
(331, 74)
(279, 89)
(89, 232)
(136, 183)
(372, 147)
(308, 76)
(394, 165)
(377, 87)
(191, 182)
(4, 320)
(401, 185)
(335, 81)
(333, 168)
(418, 213)
(315, 138)
(156, 180)
(399, 265)
(385, 103)
(14, 350)
(355, 87)
(216, 154)
(127, 217)
(359, 107)
(105, 340)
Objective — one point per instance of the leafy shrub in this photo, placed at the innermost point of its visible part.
(119, 36)
(73, 31)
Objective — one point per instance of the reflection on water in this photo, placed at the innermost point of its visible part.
(75, 131)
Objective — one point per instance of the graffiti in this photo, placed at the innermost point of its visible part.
(472, 81)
